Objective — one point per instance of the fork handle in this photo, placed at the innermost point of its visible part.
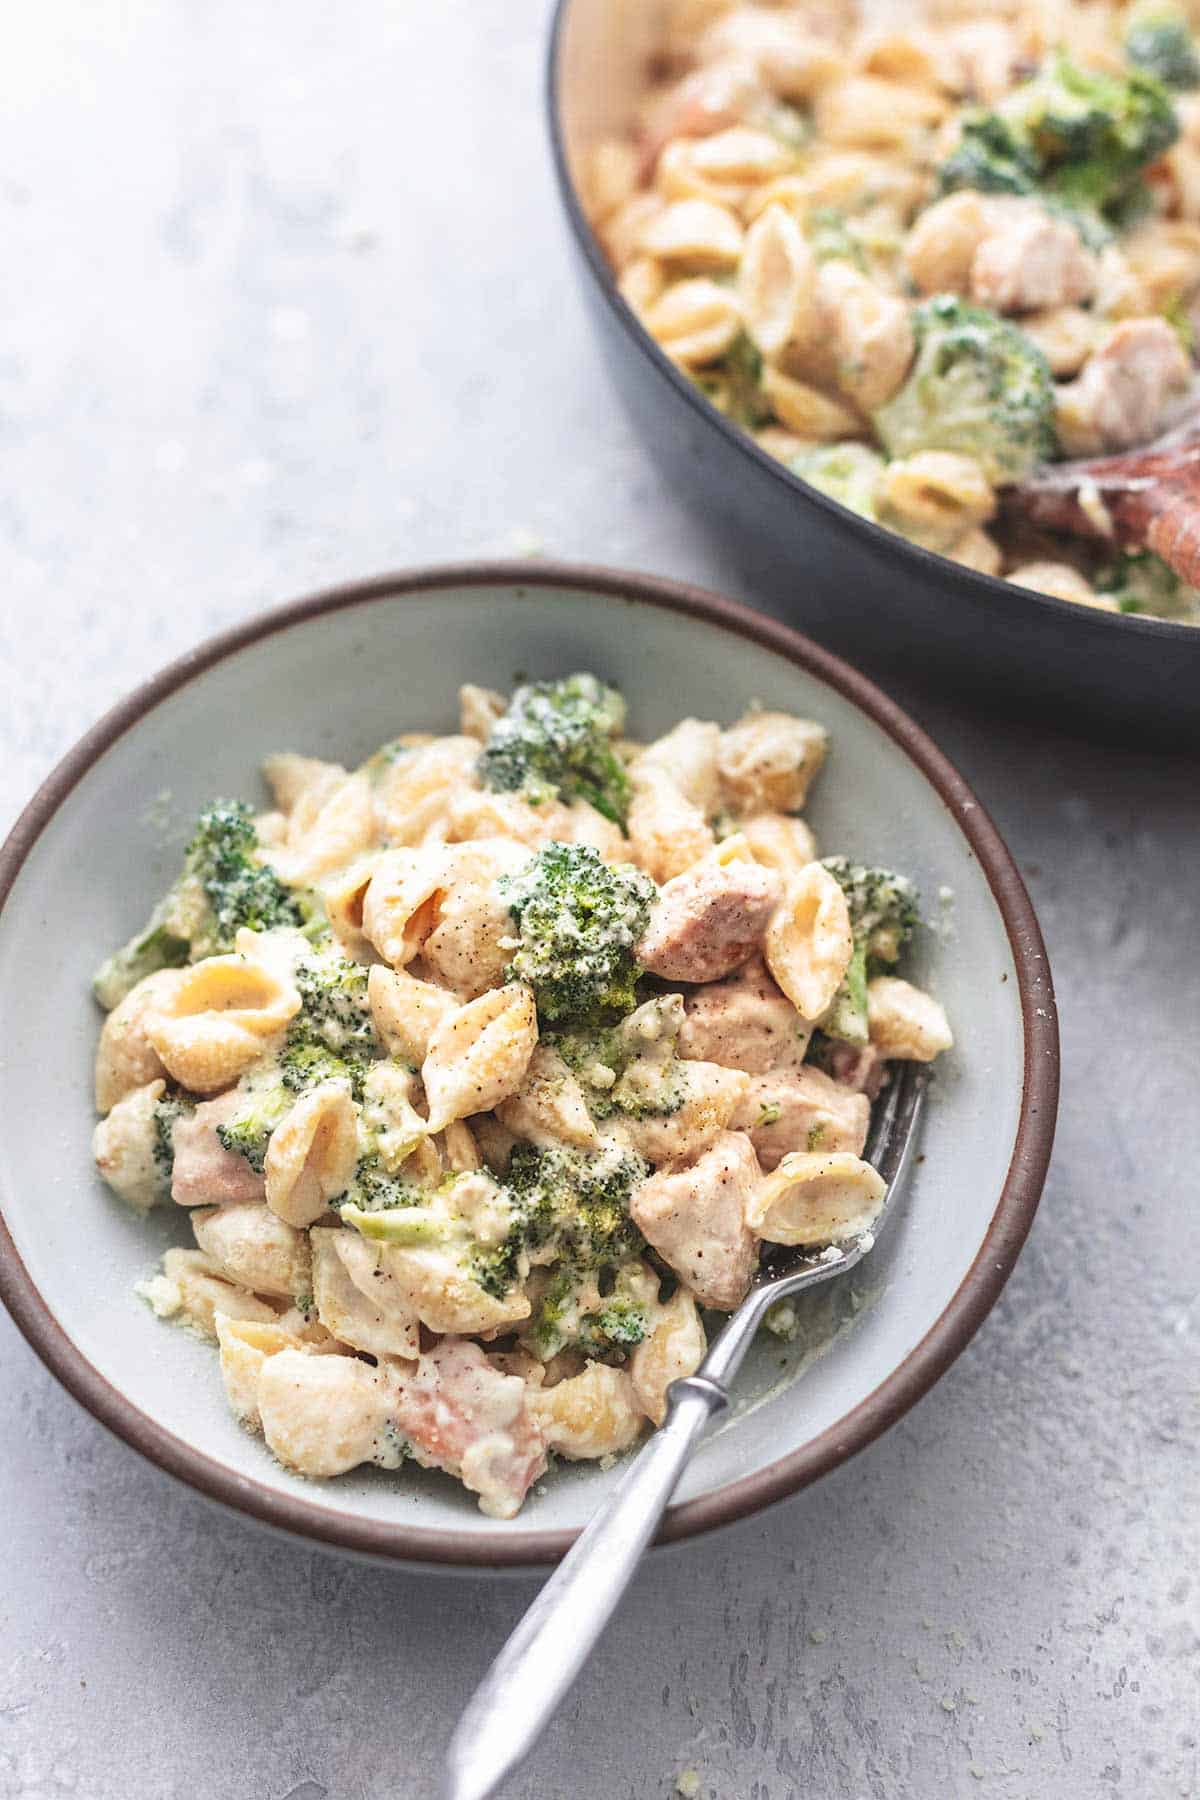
(534, 1670)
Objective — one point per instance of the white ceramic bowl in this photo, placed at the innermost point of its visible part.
(336, 675)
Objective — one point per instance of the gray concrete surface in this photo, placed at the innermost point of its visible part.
(286, 299)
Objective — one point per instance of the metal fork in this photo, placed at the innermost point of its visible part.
(521, 1691)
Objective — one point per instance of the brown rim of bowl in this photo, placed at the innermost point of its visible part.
(890, 542)
(903, 1387)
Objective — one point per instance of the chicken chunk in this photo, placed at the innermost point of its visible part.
(699, 1099)
(461, 1414)
(694, 1216)
(745, 1022)
(1029, 260)
(709, 919)
(205, 1173)
(801, 1109)
(1126, 390)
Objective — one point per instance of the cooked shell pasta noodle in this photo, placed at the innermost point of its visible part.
(124, 1144)
(790, 58)
(249, 1245)
(804, 409)
(312, 1153)
(292, 778)
(688, 755)
(870, 334)
(816, 1199)
(870, 114)
(591, 1415)
(398, 910)
(705, 1098)
(782, 843)
(217, 1019)
(125, 1057)
(199, 1293)
(245, 1345)
(406, 1012)
(936, 496)
(478, 710)
(942, 244)
(1062, 581)
(549, 1108)
(768, 761)
(479, 1054)
(809, 942)
(1065, 335)
(344, 893)
(611, 176)
(777, 280)
(641, 283)
(976, 549)
(693, 235)
(355, 1301)
(414, 792)
(904, 1022)
(674, 1348)
(621, 233)
(327, 830)
(667, 831)
(695, 321)
(322, 1415)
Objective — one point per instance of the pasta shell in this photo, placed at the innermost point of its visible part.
(322, 1415)
(292, 778)
(905, 1023)
(355, 1300)
(696, 235)
(125, 1057)
(479, 1054)
(549, 1108)
(245, 1346)
(478, 710)
(695, 321)
(769, 760)
(312, 1154)
(809, 941)
(784, 844)
(591, 1415)
(674, 1348)
(816, 1199)
(327, 829)
(344, 895)
(406, 1012)
(199, 1293)
(399, 905)
(249, 1245)
(216, 1019)
(777, 281)
(414, 795)
(124, 1145)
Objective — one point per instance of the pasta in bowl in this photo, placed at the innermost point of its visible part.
(919, 262)
(484, 1071)
(341, 673)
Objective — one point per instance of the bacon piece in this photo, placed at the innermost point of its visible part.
(1146, 499)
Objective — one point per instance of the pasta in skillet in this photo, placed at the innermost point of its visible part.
(921, 253)
(484, 1071)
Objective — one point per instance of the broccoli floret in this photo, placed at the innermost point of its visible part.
(556, 741)
(576, 1202)
(988, 157)
(1141, 582)
(978, 385)
(565, 1315)
(167, 1110)
(222, 888)
(579, 920)
(248, 1133)
(1159, 42)
(734, 384)
(883, 914)
(850, 473)
(1080, 134)
(333, 1035)
(374, 1190)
